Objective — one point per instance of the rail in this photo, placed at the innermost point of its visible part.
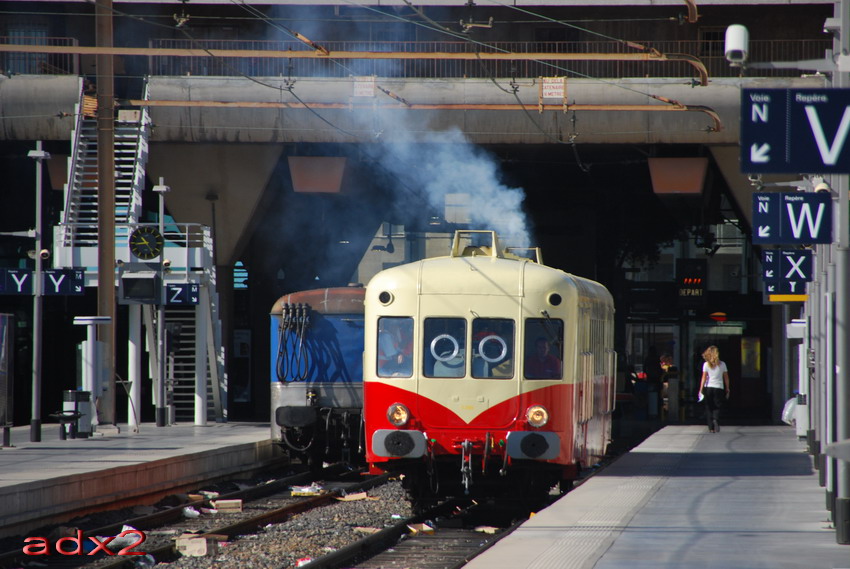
(436, 59)
(13, 63)
(175, 234)
(73, 164)
(613, 60)
(187, 245)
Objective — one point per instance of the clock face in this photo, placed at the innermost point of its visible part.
(146, 243)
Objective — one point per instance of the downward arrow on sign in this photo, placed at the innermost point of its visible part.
(760, 153)
(764, 231)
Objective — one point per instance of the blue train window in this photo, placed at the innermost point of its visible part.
(395, 347)
(444, 347)
(492, 348)
(544, 340)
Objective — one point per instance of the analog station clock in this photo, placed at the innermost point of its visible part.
(146, 243)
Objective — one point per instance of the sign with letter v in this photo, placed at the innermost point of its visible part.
(797, 131)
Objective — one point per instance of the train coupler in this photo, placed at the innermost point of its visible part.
(312, 397)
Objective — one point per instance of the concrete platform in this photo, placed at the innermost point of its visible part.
(44, 480)
(744, 498)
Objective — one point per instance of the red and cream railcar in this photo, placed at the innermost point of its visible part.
(485, 371)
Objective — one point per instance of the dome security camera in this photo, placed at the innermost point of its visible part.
(823, 187)
(736, 45)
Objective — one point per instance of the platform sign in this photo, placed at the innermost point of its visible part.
(54, 282)
(65, 282)
(15, 281)
(798, 131)
(786, 271)
(182, 293)
(692, 282)
(792, 218)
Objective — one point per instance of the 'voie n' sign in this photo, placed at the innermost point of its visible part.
(798, 131)
(792, 218)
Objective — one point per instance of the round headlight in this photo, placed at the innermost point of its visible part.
(398, 415)
(537, 416)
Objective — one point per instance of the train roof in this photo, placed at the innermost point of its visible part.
(334, 300)
(485, 270)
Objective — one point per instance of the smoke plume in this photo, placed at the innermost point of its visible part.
(448, 164)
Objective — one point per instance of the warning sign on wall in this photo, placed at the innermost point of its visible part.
(553, 87)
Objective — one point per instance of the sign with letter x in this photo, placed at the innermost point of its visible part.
(786, 271)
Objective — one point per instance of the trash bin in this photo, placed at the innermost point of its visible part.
(79, 401)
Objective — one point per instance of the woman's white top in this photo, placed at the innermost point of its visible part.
(715, 374)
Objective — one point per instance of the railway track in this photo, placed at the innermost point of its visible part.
(441, 529)
(167, 551)
(278, 531)
(445, 537)
(453, 533)
(156, 530)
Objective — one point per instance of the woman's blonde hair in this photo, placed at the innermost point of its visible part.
(712, 356)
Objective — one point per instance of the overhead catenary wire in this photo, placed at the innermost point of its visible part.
(513, 92)
(238, 72)
(207, 126)
(627, 43)
(568, 24)
(440, 29)
(514, 89)
(470, 40)
(434, 26)
(151, 16)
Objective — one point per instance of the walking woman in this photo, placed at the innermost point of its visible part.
(714, 386)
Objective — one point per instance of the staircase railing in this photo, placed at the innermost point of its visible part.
(68, 212)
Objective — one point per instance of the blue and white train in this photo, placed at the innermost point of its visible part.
(317, 374)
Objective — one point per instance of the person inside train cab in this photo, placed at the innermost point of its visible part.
(542, 364)
(493, 347)
(395, 345)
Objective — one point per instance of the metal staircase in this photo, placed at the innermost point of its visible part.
(187, 246)
(131, 151)
(182, 363)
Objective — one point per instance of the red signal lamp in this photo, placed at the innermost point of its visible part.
(718, 316)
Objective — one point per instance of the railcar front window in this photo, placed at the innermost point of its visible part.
(492, 348)
(395, 347)
(444, 347)
(544, 348)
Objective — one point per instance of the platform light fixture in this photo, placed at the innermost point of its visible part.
(161, 410)
(39, 155)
